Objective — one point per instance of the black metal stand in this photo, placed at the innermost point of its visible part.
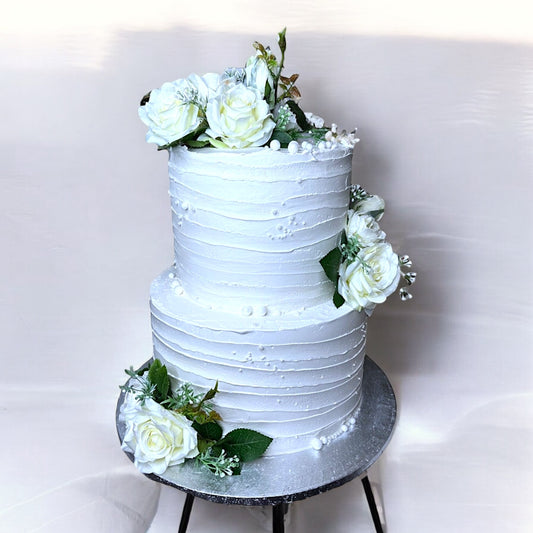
(279, 511)
(278, 517)
(372, 504)
(186, 513)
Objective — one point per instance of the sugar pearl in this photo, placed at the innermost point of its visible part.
(293, 147)
(275, 145)
(316, 444)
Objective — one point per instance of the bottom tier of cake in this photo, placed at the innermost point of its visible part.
(293, 376)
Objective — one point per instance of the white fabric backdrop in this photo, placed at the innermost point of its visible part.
(444, 106)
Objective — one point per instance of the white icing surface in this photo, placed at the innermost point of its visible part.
(248, 304)
(293, 377)
(252, 225)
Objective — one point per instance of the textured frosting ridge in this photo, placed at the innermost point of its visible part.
(253, 224)
(247, 303)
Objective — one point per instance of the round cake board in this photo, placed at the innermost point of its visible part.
(291, 477)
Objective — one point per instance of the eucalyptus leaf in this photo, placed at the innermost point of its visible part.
(246, 444)
(331, 263)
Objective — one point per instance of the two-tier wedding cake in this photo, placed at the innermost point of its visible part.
(279, 260)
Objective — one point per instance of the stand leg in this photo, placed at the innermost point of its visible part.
(372, 504)
(278, 517)
(186, 513)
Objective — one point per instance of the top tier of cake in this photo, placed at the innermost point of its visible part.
(250, 226)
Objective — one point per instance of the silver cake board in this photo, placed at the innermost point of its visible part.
(291, 477)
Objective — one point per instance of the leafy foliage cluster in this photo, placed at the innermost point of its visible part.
(223, 455)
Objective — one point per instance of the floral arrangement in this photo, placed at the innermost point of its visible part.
(364, 267)
(165, 428)
(241, 108)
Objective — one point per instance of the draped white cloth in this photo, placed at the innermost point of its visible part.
(446, 128)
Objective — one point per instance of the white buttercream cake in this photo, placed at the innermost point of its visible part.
(247, 302)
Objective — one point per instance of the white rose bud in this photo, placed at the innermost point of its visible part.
(238, 117)
(157, 437)
(364, 229)
(258, 74)
(372, 205)
(369, 279)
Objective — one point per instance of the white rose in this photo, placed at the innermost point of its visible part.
(238, 117)
(157, 437)
(258, 74)
(369, 279)
(364, 229)
(206, 85)
(177, 108)
(371, 205)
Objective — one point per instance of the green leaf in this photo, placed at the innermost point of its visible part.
(210, 394)
(376, 214)
(158, 376)
(246, 444)
(260, 47)
(331, 263)
(209, 430)
(282, 136)
(344, 238)
(338, 299)
(203, 445)
(282, 41)
(300, 115)
(196, 144)
(145, 99)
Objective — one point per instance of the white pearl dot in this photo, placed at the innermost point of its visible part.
(247, 310)
(316, 444)
(293, 147)
(275, 145)
(262, 311)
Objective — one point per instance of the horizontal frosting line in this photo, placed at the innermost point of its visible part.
(302, 253)
(289, 287)
(253, 225)
(242, 392)
(305, 329)
(253, 216)
(251, 245)
(295, 425)
(213, 345)
(283, 365)
(295, 415)
(232, 372)
(264, 174)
